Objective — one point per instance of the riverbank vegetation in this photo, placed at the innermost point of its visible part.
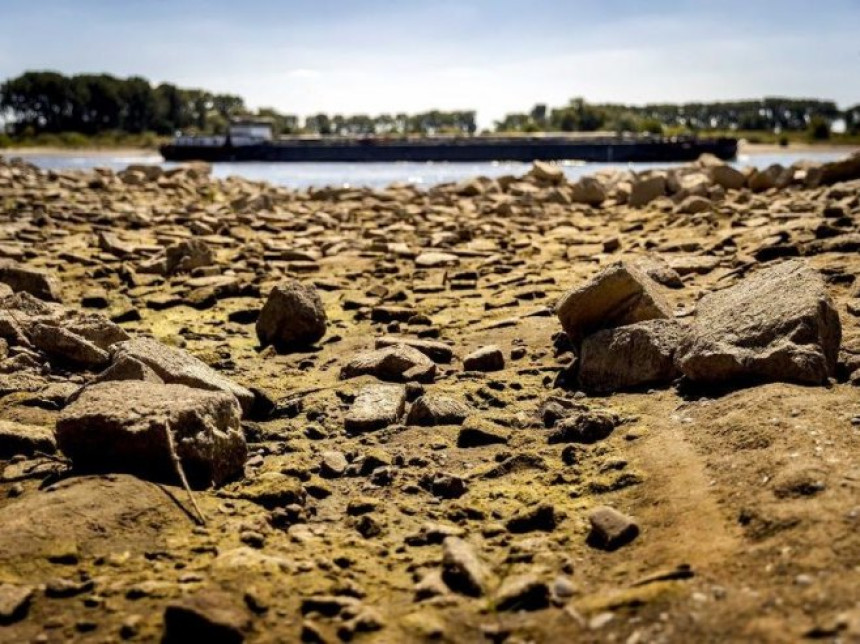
(48, 109)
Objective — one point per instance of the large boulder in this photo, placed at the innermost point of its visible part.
(635, 355)
(128, 426)
(30, 280)
(175, 366)
(620, 294)
(778, 325)
(293, 317)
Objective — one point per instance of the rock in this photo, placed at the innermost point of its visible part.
(588, 190)
(175, 366)
(777, 325)
(34, 281)
(376, 407)
(333, 464)
(436, 259)
(619, 295)
(846, 169)
(610, 529)
(97, 329)
(273, 490)
(761, 180)
(292, 318)
(14, 602)
(438, 352)
(693, 204)
(635, 355)
(128, 368)
(67, 347)
(726, 176)
(16, 438)
(522, 592)
(540, 517)
(447, 486)
(396, 363)
(209, 616)
(489, 358)
(477, 433)
(123, 427)
(584, 427)
(644, 191)
(432, 409)
(462, 570)
(185, 256)
(547, 172)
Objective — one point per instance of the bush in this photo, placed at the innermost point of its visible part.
(819, 129)
(783, 141)
(5, 141)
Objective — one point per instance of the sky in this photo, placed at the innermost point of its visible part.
(494, 56)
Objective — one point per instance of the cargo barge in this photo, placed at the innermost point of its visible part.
(254, 142)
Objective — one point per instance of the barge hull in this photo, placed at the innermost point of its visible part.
(466, 150)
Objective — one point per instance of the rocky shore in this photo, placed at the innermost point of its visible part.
(506, 410)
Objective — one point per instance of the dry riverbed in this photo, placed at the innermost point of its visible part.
(508, 410)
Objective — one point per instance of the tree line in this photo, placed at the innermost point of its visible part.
(46, 102)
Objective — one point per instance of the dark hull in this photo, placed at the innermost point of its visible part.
(475, 149)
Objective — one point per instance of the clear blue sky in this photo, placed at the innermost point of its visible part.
(350, 56)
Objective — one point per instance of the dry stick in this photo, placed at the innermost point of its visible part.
(171, 448)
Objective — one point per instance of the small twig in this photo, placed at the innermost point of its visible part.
(171, 448)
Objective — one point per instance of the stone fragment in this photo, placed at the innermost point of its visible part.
(846, 169)
(610, 529)
(584, 427)
(396, 363)
(539, 517)
(208, 616)
(620, 294)
(438, 352)
(477, 433)
(65, 346)
(292, 318)
(376, 407)
(185, 256)
(522, 592)
(547, 172)
(644, 191)
(175, 366)
(333, 464)
(777, 325)
(14, 602)
(588, 190)
(273, 490)
(726, 176)
(436, 259)
(128, 426)
(34, 281)
(635, 355)
(128, 368)
(432, 409)
(462, 570)
(693, 204)
(489, 358)
(17, 438)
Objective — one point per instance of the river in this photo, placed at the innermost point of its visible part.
(303, 175)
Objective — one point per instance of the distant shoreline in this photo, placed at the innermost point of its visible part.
(149, 153)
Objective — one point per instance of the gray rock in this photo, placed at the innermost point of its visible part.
(175, 366)
(17, 438)
(185, 256)
(63, 345)
(438, 352)
(14, 602)
(462, 570)
(127, 368)
(209, 616)
(610, 529)
(123, 427)
(397, 363)
(777, 325)
(333, 465)
(644, 191)
(630, 356)
(432, 409)
(489, 358)
(34, 281)
(376, 407)
(619, 295)
(293, 317)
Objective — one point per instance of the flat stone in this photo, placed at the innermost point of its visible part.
(433, 409)
(489, 358)
(436, 259)
(777, 325)
(123, 427)
(610, 529)
(376, 407)
(14, 602)
(17, 438)
(68, 347)
(34, 281)
(630, 356)
(208, 616)
(396, 363)
(462, 570)
(292, 318)
(175, 366)
(438, 352)
(619, 295)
